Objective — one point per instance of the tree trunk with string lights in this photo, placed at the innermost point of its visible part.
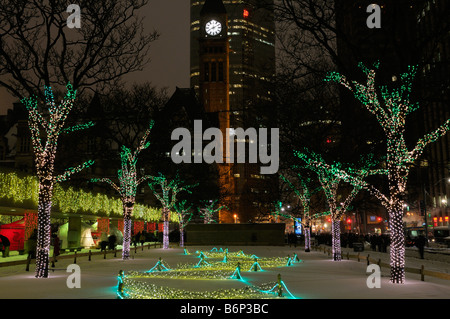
(184, 217)
(304, 195)
(128, 185)
(49, 127)
(330, 181)
(168, 198)
(391, 112)
(127, 214)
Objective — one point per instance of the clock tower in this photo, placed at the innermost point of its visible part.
(214, 59)
(214, 87)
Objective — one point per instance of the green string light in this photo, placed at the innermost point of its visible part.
(209, 210)
(45, 132)
(128, 185)
(391, 112)
(330, 177)
(168, 198)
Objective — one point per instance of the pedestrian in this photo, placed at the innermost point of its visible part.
(56, 246)
(379, 243)
(6, 244)
(31, 244)
(294, 239)
(420, 243)
(373, 242)
(385, 243)
(112, 242)
(142, 238)
(136, 238)
(103, 241)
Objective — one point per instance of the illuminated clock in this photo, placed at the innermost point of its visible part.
(213, 27)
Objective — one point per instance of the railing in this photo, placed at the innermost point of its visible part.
(77, 254)
(421, 271)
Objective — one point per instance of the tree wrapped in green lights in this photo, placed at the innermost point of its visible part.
(45, 132)
(184, 217)
(128, 185)
(168, 198)
(391, 106)
(304, 194)
(281, 212)
(209, 210)
(330, 181)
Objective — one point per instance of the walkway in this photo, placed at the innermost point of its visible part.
(316, 277)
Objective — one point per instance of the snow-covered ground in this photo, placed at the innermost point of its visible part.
(316, 277)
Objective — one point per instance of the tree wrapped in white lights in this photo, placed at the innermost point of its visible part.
(184, 217)
(304, 194)
(209, 210)
(330, 181)
(45, 132)
(391, 110)
(168, 198)
(128, 185)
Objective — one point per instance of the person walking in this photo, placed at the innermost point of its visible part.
(136, 239)
(142, 239)
(56, 246)
(6, 244)
(103, 241)
(31, 244)
(112, 242)
(420, 243)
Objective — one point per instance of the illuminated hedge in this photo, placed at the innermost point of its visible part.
(22, 190)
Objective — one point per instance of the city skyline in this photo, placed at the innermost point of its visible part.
(168, 114)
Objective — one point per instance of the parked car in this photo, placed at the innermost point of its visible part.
(441, 233)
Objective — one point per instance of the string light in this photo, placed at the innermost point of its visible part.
(168, 198)
(128, 185)
(45, 152)
(159, 266)
(330, 179)
(304, 195)
(138, 226)
(25, 190)
(135, 286)
(184, 217)
(391, 112)
(209, 211)
(31, 223)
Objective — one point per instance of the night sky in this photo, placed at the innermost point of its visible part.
(170, 54)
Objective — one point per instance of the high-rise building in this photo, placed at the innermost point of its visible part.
(251, 32)
(431, 19)
(232, 65)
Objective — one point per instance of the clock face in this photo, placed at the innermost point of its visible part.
(213, 27)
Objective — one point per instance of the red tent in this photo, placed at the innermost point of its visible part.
(15, 233)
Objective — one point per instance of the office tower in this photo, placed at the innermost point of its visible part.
(431, 20)
(232, 65)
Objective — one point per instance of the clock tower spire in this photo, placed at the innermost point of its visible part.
(214, 90)
(214, 57)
